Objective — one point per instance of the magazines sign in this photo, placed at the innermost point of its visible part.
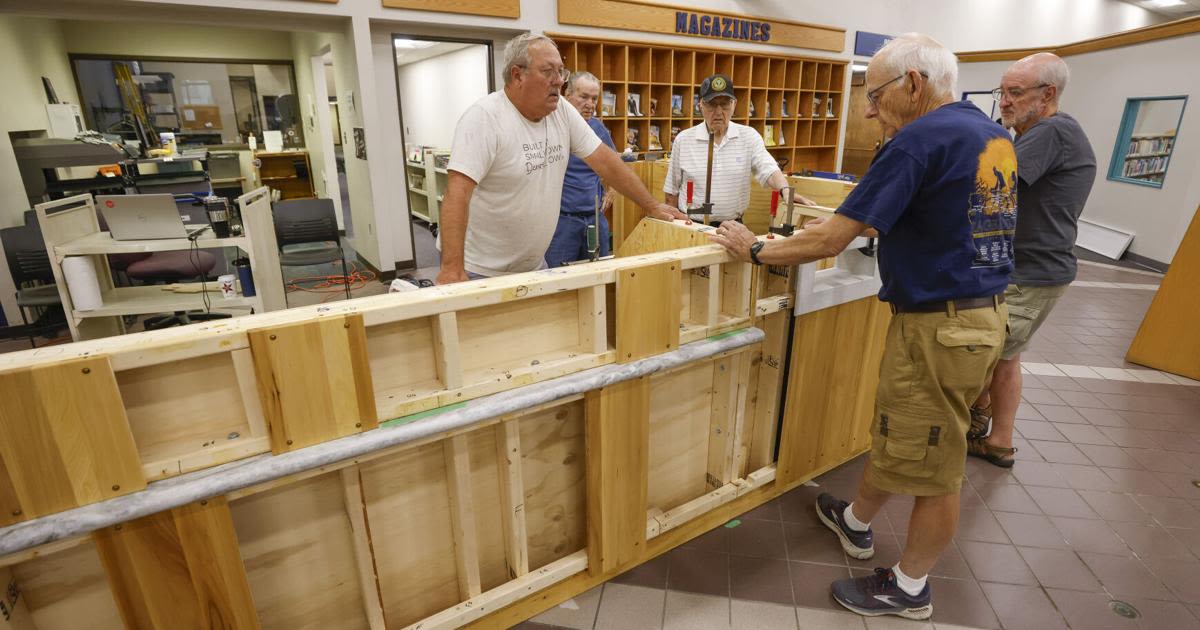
(655, 17)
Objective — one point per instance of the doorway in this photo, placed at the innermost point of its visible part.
(427, 121)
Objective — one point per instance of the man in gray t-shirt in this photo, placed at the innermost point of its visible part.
(1055, 169)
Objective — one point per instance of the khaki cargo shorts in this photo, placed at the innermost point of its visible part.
(934, 367)
(1028, 308)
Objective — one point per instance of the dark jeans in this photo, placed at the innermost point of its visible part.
(570, 238)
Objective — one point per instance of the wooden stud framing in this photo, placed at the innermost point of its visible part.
(618, 437)
(445, 350)
(364, 556)
(66, 440)
(512, 497)
(593, 320)
(462, 515)
(648, 310)
(304, 406)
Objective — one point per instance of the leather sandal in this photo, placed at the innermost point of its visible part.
(995, 455)
(981, 422)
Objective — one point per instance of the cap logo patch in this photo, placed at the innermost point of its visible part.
(718, 84)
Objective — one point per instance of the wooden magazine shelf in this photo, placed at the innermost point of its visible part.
(795, 103)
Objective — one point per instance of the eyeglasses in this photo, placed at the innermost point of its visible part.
(1015, 93)
(562, 74)
(873, 95)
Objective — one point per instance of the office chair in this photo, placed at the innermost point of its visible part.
(307, 232)
(30, 268)
(170, 267)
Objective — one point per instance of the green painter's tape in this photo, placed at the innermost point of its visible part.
(395, 422)
(724, 335)
(731, 524)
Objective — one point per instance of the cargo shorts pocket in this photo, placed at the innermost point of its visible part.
(908, 445)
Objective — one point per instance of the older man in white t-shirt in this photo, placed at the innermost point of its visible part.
(507, 165)
(738, 152)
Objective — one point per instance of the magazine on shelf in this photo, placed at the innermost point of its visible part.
(633, 105)
(769, 136)
(676, 104)
(608, 104)
(654, 142)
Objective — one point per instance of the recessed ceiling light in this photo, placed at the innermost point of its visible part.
(1162, 4)
(858, 67)
(413, 44)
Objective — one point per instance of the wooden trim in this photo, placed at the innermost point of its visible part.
(1155, 32)
(655, 17)
(462, 515)
(589, 39)
(512, 496)
(493, 8)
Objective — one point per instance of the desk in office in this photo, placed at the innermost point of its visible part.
(70, 228)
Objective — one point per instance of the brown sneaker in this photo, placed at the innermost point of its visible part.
(997, 455)
(981, 422)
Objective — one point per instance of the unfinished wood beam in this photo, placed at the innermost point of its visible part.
(178, 569)
(617, 419)
(314, 381)
(705, 296)
(740, 448)
(446, 350)
(364, 555)
(243, 367)
(66, 439)
(512, 497)
(648, 310)
(462, 515)
(737, 289)
(593, 319)
(721, 433)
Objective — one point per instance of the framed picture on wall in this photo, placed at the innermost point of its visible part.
(360, 143)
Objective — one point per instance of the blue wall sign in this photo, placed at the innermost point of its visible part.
(867, 44)
(721, 27)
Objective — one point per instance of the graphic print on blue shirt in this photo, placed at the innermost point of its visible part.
(993, 205)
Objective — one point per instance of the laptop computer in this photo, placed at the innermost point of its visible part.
(143, 217)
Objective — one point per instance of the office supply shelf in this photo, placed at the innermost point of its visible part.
(154, 298)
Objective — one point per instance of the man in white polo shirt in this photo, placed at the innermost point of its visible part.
(738, 151)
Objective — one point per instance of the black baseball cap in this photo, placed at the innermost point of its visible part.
(714, 86)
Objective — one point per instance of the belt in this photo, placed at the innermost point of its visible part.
(951, 306)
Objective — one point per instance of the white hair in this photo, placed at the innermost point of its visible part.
(516, 53)
(914, 51)
(1049, 68)
(581, 75)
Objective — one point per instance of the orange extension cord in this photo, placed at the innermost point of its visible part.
(333, 284)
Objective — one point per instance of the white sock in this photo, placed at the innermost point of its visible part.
(912, 586)
(852, 522)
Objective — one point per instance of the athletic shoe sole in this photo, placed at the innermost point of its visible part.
(850, 548)
(920, 613)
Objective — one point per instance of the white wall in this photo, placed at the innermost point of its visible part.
(430, 115)
(175, 40)
(1100, 84)
(1158, 117)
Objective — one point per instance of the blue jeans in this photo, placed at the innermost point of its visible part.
(570, 238)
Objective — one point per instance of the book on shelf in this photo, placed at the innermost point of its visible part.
(816, 106)
(608, 104)
(1142, 145)
(654, 143)
(769, 136)
(1147, 166)
(767, 107)
(784, 110)
(653, 106)
(631, 140)
(752, 110)
(677, 105)
(696, 105)
(633, 105)
(674, 132)
(829, 113)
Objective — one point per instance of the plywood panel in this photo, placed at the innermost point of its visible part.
(402, 362)
(514, 334)
(296, 545)
(552, 468)
(62, 588)
(652, 235)
(408, 508)
(182, 407)
(648, 299)
(66, 438)
(148, 573)
(616, 420)
(680, 407)
(485, 486)
(210, 547)
(304, 406)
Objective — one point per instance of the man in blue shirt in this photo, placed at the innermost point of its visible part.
(941, 195)
(582, 185)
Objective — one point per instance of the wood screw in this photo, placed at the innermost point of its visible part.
(357, 425)
(346, 325)
(117, 527)
(116, 486)
(86, 370)
(289, 442)
(203, 501)
(16, 512)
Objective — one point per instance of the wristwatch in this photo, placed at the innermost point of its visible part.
(754, 249)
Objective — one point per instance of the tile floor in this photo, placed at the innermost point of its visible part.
(1101, 506)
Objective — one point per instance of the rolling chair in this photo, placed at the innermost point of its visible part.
(30, 268)
(168, 268)
(307, 232)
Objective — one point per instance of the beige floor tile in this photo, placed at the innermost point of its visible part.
(692, 611)
(748, 615)
(578, 612)
(896, 623)
(817, 619)
(624, 607)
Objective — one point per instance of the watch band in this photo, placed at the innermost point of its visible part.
(754, 249)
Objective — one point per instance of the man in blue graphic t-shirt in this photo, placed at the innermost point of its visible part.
(941, 196)
(581, 185)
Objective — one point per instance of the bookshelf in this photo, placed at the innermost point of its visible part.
(806, 132)
(286, 171)
(1146, 159)
(427, 182)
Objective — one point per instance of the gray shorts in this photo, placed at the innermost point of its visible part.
(1028, 308)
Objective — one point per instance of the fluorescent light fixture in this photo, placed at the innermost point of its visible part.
(1162, 4)
(858, 67)
(412, 44)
